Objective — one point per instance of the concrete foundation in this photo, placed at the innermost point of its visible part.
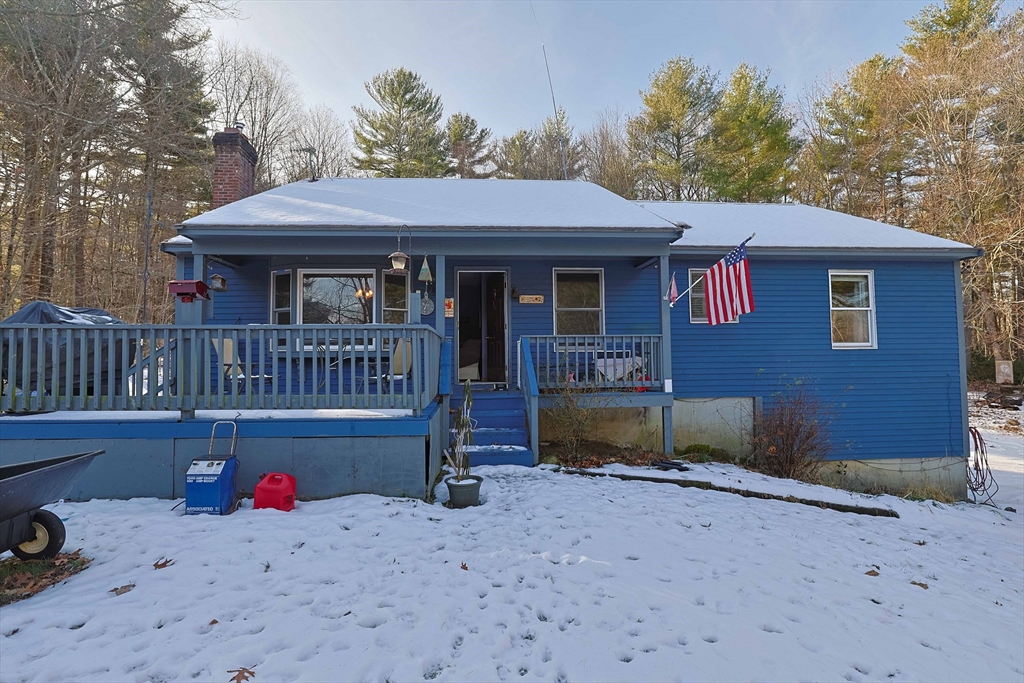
(619, 426)
(720, 422)
(726, 423)
(895, 475)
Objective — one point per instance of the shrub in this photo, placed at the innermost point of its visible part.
(791, 437)
(573, 413)
(702, 452)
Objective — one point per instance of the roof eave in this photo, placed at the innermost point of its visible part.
(940, 253)
(312, 230)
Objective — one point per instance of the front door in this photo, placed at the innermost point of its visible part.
(482, 325)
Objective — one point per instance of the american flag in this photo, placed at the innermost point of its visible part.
(727, 287)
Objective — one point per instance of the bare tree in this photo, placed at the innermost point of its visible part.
(257, 89)
(319, 146)
(607, 159)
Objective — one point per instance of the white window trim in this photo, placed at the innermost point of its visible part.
(689, 279)
(302, 272)
(872, 328)
(554, 295)
(274, 310)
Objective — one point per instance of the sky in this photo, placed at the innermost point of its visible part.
(485, 58)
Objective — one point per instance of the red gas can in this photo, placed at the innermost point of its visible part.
(276, 491)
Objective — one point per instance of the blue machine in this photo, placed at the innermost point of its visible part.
(210, 481)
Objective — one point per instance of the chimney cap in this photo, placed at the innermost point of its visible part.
(240, 125)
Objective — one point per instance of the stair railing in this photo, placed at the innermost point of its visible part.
(532, 395)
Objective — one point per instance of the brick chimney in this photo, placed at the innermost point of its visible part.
(234, 167)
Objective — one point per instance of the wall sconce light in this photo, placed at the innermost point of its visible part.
(218, 283)
(514, 293)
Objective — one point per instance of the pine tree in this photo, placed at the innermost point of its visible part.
(403, 138)
(677, 115)
(514, 156)
(749, 152)
(468, 147)
(555, 138)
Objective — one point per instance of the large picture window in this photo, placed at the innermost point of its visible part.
(579, 301)
(852, 295)
(337, 297)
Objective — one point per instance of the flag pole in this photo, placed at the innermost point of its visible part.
(701, 278)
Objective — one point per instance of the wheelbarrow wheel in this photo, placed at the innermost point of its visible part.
(50, 535)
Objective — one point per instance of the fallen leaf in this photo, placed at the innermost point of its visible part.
(241, 675)
(918, 583)
(213, 621)
(163, 563)
(706, 526)
(871, 572)
(465, 567)
(123, 589)
(347, 613)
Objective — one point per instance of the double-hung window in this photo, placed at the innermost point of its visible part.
(579, 301)
(852, 303)
(396, 299)
(698, 297)
(336, 297)
(281, 297)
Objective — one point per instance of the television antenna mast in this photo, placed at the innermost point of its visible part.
(554, 107)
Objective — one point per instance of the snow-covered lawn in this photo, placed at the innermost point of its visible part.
(555, 577)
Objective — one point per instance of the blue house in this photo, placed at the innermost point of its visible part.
(344, 314)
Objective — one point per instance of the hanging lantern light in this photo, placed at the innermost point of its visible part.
(399, 260)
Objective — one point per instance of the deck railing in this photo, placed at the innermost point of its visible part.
(240, 367)
(596, 362)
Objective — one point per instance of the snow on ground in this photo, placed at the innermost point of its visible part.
(986, 417)
(1006, 458)
(566, 578)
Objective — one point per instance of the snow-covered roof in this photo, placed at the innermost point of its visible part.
(788, 226)
(178, 239)
(433, 203)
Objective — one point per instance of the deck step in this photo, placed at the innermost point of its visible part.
(499, 455)
(499, 419)
(498, 436)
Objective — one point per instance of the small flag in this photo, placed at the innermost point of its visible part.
(728, 288)
(673, 292)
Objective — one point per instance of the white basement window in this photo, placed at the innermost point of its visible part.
(579, 301)
(698, 297)
(852, 303)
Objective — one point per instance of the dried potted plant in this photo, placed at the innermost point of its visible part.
(463, 487)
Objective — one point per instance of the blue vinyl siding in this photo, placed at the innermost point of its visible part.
(631, 297)
(899, 400)
(247, 300)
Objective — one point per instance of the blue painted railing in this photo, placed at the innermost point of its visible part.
(596, 362)
(532, 395)
(240, 367)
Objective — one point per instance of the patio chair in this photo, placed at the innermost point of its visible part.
(398, 366)
(234, 370)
